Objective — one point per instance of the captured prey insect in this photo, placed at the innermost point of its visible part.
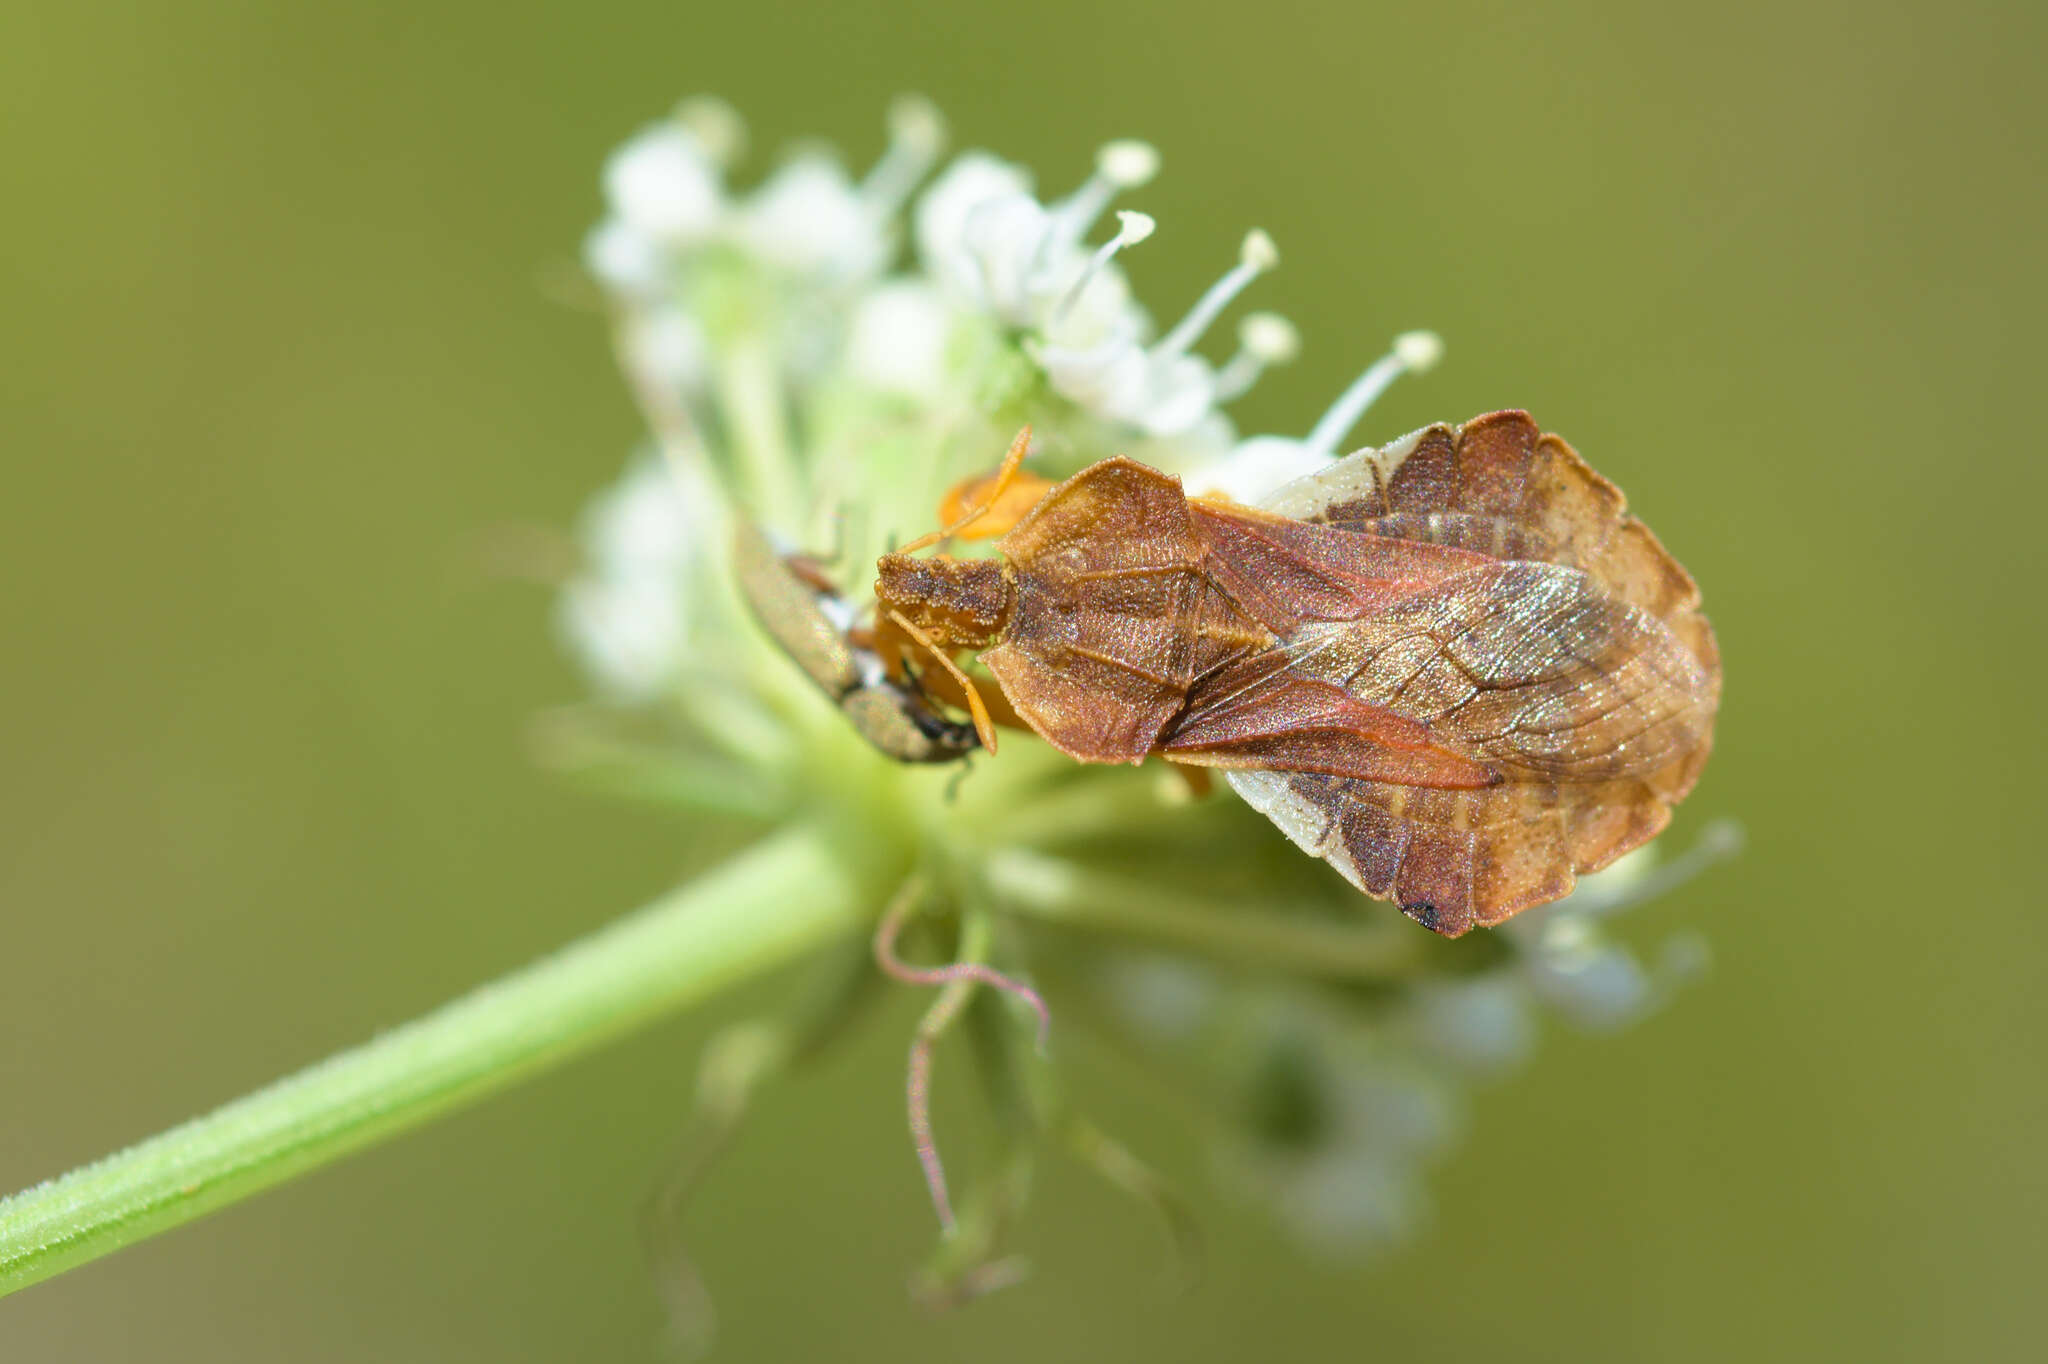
(801, 613)
(1454, 668)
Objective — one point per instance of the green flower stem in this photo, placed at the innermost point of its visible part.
(1126, 801)
(1057, 891)
(751, 399)
(792, 892)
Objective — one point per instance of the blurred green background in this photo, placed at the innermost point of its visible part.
(283, 347)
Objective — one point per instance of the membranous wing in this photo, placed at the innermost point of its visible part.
(1499, 486)
(1564, 653)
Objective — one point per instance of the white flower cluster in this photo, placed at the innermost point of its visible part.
(778, 318)
(631, 614)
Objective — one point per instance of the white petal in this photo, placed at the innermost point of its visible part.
(1597, 986)
(1179, 390)
(1345, 1208)
(1001, 238)
(1106, 377)
(1393, 1109)
(657, 520)
(662, 186)
(667, 347)
(898, 339)
(1482, 1023)
(625, 261)
(810, 219)
(1200, 447)
(1102, 310)
(1256, 467)
(650, 539)
(971, 180)
(628, 638)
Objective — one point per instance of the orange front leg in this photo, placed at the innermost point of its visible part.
(985, 494)
(896, 638)
(1000, 510)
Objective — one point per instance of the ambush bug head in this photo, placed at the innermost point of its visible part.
(959, 603)
(953, 603)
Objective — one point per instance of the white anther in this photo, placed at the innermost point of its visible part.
(1270, 337)
(1418, 352)
(716, 125)
(917, 122)
(1131, 229)
(1263, 340)
(1254, 258)
(1127, 162)
(1258, 251)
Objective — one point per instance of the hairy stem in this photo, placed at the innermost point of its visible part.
(786, 895)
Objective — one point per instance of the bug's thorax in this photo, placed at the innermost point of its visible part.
(962, 603)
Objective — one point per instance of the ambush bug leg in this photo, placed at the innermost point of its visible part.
(1026, 491)
(997, 486)
(984, 727)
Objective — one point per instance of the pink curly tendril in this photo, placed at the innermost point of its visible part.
(917, 1087)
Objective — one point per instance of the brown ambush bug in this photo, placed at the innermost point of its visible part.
(1455, 668)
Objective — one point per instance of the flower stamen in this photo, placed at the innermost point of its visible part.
(1263, 341)
(1412, 353)
(1254, 258)
(718, 128)
(1119, 166)
(917, 134)
(1132, 228)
